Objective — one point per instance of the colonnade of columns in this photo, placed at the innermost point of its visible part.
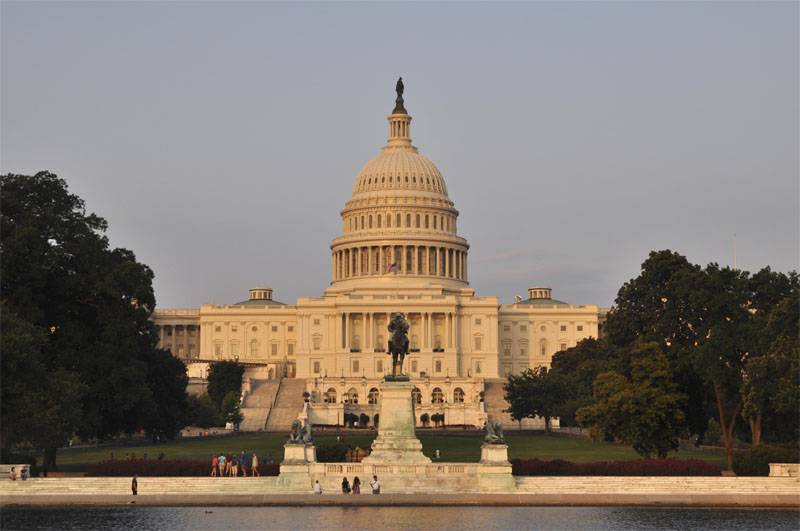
(399, 259)
(172, 337)
(423, 326)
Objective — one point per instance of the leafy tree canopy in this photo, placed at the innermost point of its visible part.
(224, 377)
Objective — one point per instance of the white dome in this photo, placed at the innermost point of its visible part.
(400, 169)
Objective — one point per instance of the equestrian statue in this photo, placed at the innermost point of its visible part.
(398, 345)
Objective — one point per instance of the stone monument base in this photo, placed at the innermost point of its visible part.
(397, 441)
(494, 453)
(295, 468)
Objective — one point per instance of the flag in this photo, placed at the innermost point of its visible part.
(392, 268)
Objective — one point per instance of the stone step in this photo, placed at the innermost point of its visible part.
(288, 404)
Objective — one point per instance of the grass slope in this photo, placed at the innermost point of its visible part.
(453, 447)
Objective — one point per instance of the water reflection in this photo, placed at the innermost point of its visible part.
(355, 518)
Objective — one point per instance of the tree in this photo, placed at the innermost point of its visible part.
(576, 369)
(642, 408)
(224, 377)
(534, 393)
(231, 411)
(200, 411)
(94, 304)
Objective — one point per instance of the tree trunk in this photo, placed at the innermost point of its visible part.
(727, 426)
(50, 458)
(755, 430)
(547, 424)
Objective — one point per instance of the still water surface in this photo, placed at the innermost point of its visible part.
(353, 518)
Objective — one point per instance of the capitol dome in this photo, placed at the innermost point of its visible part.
(399, 223)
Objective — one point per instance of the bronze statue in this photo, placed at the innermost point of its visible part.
(399, 108)
(398, 343)
(296, 436)
(494, 432)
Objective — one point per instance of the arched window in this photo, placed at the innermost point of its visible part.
(380, 343)
(399, 216)
(370, 221)
(417, 225)
(437, 341)
(372, 397)
(416, 395)
(254, 348)
(362, 222)
(458, 395)
(434, 222)
(379, 221)
(330, 396)
(388, 220)
(427, 221)
(437, 397)
(414, 341)
(408, 220)
(543, 347)
(356, 339)
(352, 396)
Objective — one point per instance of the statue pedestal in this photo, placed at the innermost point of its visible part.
(294, 472)
(397, 441)
(299, 453)
(494, 453)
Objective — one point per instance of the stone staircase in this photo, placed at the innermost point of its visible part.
(288, 404)
(257, 404)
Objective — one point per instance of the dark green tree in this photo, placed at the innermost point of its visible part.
(576, 369)
(231, 410)
(224, 377)
(61, 276)
(642, 408)
(202, 412)
(534, 393)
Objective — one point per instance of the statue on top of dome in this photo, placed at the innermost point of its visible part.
(399, 108)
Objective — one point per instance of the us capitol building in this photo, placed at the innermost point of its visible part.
(399, 251)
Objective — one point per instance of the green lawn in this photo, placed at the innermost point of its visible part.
(463, 447)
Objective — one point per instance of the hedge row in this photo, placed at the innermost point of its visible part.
(639, 467)
(756, 462)
(164, 467)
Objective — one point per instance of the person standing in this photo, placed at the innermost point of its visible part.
(376, 485)
(356, 485)
(345, 486)
(244, 462)
(134, 485)
(12, 474)
(254, 465)
(317, 487)
(214, 465)
(234, 467)
(222, 465)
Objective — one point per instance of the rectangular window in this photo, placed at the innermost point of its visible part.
(234, 349)
(316, 367)
(477, 322)
(290, 349)
(506, 328)
(580, 328)
(316, 322)
(218, 349)
(356, 367)
(523, 351)
(216, 329)
(563, 328)
(477, 367)
(180, 350)
(234, 328)
(478, 343)
(563, 346)
(290, 328)
(379, 366)
(507, 350)
(523, 328)
(316, 341)
(274, 328)
(437, 366)
(414, 366)
(169, 331)
(273, 349)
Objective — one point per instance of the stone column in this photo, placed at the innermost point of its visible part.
(369, 260)
(364, 332)
(346, 332)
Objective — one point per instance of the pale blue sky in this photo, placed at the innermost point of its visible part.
(221, 140)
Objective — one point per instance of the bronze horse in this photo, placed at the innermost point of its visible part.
(398, 343)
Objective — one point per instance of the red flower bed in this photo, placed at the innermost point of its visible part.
(639, 467)
(163, 467)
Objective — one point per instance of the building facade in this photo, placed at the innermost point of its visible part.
(399, 251)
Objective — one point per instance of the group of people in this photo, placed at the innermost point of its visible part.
(230, 465)
(375, 485)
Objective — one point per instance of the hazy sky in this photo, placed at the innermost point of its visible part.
(221, 140)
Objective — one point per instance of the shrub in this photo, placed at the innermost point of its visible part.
(332, 452)
(713, 432)
(166, 468)
(638, 467)
(756, 462)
